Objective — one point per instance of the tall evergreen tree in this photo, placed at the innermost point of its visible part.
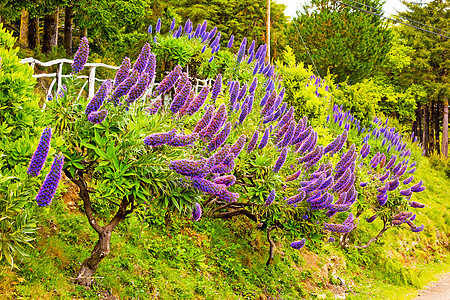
(430, 69)
(348, 42)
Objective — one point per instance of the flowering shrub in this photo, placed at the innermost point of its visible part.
(187, 152)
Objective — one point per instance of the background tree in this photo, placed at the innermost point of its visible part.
(344, 41)
(429, 70)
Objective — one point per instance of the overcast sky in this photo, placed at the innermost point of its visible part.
(391, 6)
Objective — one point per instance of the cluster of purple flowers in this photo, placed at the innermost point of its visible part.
(220, 138)
(97, 117)
(139, 88)
(195, 105)
(158, 139)
(81, 56)
(97, 101)
(204, 121)
(298, 244)
(196, 212)
(181, 97)
(181, 140)
(51, 182)
(40, 155)
(123, 88)
(215, 123)
(123, 72)
(169, 81)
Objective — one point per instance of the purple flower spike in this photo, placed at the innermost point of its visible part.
(226, 180)
(151, 66)
(123, 72)
(197, 103)
(158, 139)
(138, 90)
(298, 244)
(207, 186)
(230, 41)
(416, 204)
(219, 139)
(141, 61)
(149, 30)
(339, 228)
(241, 51)
(181, 140)
(154, 107)
(270, 198)
(124, 87)
(408, 180)
(280, 161)
(97, 117)
(203, 122)
(253, 141)
(236, 148)
(297, 198)
(264, 139)
(217, 87)
(158, 25)
(180, 99)
(51, 182)
(81, 56)
(40, 155)
(363, 184)
(169, 81)
(253, 86)
(97, 101)
(196, 212)
(417, 229)
(188, 167)
(294, 176)
(216, 122)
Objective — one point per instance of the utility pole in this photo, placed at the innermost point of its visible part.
(268, 30)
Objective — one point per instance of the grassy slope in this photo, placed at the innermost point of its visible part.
(216, 259)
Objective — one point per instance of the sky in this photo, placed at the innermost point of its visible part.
(390, 7)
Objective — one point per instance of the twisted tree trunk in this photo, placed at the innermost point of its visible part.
(102, 247)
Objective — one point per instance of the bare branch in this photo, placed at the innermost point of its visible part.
(233, 213)
(272, 245)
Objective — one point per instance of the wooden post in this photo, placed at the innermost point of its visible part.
(59, 78)
(91, 91)
(268, 30)
(445, 129)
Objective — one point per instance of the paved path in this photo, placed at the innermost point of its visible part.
(439, 290)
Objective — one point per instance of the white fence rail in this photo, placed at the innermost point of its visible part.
(91, 79)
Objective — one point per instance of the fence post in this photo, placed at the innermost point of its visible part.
(59, 78)
(91, 91)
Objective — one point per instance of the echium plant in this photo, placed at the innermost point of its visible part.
(243, 153)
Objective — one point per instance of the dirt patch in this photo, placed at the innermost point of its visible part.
(438, 290)
(70, 197)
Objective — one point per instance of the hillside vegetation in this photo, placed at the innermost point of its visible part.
(155, 202)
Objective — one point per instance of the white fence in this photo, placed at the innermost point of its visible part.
(91, 79)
